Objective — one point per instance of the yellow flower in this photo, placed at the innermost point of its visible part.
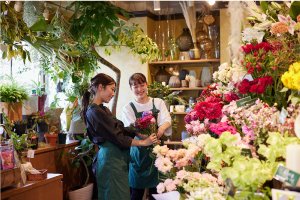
(291, 78)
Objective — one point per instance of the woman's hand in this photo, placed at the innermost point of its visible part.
(161, 130)
(152, 139)
(141, 136)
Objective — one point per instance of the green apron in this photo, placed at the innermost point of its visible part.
(140, 163)
(112, 172)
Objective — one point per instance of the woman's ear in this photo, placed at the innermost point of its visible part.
(100, 87)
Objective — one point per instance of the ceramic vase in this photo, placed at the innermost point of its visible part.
(205, 75)
(174, 82)
(185, 41)
(162, 75)
(192, 75)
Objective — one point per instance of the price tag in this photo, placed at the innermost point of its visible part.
(30, 154)
(246, 152)
(283, 115)
(242, 102)
(283, 174)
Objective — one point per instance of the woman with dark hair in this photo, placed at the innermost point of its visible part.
(113, 139)
(140, 176)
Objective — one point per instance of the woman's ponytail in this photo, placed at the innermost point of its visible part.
(84, 105)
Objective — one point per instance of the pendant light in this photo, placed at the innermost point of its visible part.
(211, 2)
(156, 5)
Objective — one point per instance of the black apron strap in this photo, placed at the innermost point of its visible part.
(154, 108)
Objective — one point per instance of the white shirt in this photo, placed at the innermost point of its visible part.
(128, 115)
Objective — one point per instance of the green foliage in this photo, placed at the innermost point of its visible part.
(38, 87)
(54, 104)
(20, 143)
(12, 92)
(42, 117)
(18, 122)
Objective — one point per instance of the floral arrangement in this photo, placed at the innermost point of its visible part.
(147, 124)
(239, 144)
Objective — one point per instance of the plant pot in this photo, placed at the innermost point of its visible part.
(77, 127)
(30, 121)
(14, 111)
(85, 193)
(36, 142)
(20, 129)
(51, 139)
(41, 102)
(42, 128)
(62, 138)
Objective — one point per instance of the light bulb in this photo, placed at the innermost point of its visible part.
(211, 2)
(18, 6)
(156, 5)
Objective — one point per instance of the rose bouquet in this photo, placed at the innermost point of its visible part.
(145, 125)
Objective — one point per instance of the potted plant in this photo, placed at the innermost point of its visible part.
(40, 91)
(62, 137)
(20, 145)
(42, 121)
(84, 154)
(20, 126)
(33, 137)
(12, 96)
(55, 111)
(51, 138)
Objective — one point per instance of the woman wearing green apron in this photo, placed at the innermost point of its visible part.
(140, 176)
(113, 139)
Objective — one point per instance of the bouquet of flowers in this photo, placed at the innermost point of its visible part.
(147, 124)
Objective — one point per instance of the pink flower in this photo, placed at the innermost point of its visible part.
(288, 20)
(209, 177)
(170, 185)
(177, 181)
(163, 164)
(171, 153)
(181, 174)
(160, 188)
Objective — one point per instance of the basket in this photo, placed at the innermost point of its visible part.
(37, 177)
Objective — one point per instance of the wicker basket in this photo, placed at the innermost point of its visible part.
(37, 177)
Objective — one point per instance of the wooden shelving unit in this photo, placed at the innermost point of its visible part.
(185, 62)
(197, 88)
(173, 143)
(180, 113)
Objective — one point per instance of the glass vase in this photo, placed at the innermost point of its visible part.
(174, 50)
(195, 53)
(185, 41)
(206, 46)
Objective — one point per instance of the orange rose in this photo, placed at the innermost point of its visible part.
(279, 27)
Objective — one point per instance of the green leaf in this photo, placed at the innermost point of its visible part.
(122, 22)
(130, 28)
(89, 162)
(294, 10)
(80, 138)
(76, 118)
(110, 31)
(39, 25)
(125, 14)
(117, 31)
(128, 33)
(264, 6)
(69, 152)
(4, 55)
(116, 23)
(295, 100)
(77, 164)
(62, 154)
(285, 89)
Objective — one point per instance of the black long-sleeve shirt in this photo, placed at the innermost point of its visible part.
(102, 125)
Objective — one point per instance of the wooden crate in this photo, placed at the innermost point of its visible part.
(10, 177)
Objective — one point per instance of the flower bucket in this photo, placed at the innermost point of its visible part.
(85, 193)
(51, 139)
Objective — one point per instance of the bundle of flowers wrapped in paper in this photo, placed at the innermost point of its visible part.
(147, 124)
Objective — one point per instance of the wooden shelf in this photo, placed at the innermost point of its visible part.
(180, 113)
(187, 88)
(186, 62)
(173, 143)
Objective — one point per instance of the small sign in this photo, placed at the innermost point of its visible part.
(297, 49)
(246, 152)
(30, 154)
(242, 102)
(283, 115)
(283, 174)
(251, 102)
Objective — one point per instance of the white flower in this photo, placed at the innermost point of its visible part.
(250, 34)
(263, 26)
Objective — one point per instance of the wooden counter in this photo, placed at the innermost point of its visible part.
(48, 189)
(50, 158)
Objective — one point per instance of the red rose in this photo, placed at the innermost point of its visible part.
(243, 89)
(262, 81)
(253, 88)
(261, 89)
(250, 70)
(269, 80)
(231, 97)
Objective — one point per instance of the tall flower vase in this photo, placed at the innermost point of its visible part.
(41, 102)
